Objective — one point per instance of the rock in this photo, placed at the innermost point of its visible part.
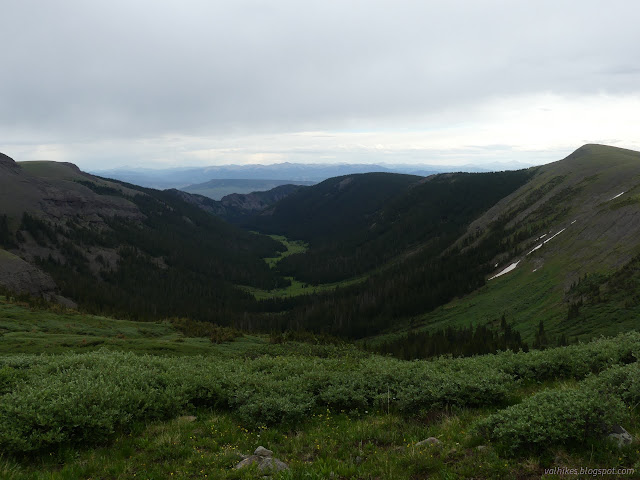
(428, 441)
(620, 436)
(263, 452)
(264, 464)
(265, 461)
(358, 460)
(187, 418)
(482, 448)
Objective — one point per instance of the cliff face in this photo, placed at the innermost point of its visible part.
(21, 277)
(57, 193)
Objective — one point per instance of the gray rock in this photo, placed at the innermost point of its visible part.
(358, 460)
(620, 436)
(265, 464)
(482, 448)
(263, 452)
(428, 441)
(187, 418)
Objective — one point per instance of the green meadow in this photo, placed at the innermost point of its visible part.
(93, 397)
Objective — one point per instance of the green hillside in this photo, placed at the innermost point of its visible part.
(577, 217)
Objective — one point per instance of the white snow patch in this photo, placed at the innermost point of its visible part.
(613, 198)
(573, 222)
(507, 270)
(495, 266)
(535, 270)
(534, 249)
(547, 240)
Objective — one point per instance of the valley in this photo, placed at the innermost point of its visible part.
(158, 333)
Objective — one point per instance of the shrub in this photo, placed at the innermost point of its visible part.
(551, 418)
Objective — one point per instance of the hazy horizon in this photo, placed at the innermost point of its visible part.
(197, 83)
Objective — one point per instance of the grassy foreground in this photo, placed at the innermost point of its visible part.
(327, 411)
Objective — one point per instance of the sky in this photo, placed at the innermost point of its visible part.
(147, 83)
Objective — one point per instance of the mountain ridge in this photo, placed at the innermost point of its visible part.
(448, 250)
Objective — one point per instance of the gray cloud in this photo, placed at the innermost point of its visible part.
(77, 71)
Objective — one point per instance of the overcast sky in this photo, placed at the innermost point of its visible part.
(158, 83)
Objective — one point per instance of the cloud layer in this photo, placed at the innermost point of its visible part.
(110, 83)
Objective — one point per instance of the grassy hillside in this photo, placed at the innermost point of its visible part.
(30, 330)
(567, 222)
(328, 411)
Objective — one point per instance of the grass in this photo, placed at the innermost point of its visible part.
(30, 330)
(49, 169)
(328, 445)
(523, 296)
(7, 256)
(342, 444)
(292, 247)
(296, 287)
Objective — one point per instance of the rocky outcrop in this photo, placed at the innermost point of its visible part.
(264, 460)
(22, 277)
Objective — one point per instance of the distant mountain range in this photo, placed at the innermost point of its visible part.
(287, 172)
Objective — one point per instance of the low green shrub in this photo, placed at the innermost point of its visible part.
(573, 361)
(52, 400)
(621, 380)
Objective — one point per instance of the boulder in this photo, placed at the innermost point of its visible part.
(428, 441)
(620, 436)
(263, 452)
(265, 461)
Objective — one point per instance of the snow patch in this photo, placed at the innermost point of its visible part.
(613, 198)
(573, 222)
(534, 270)
(547, 240)
(535, 248)
(506, 270)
